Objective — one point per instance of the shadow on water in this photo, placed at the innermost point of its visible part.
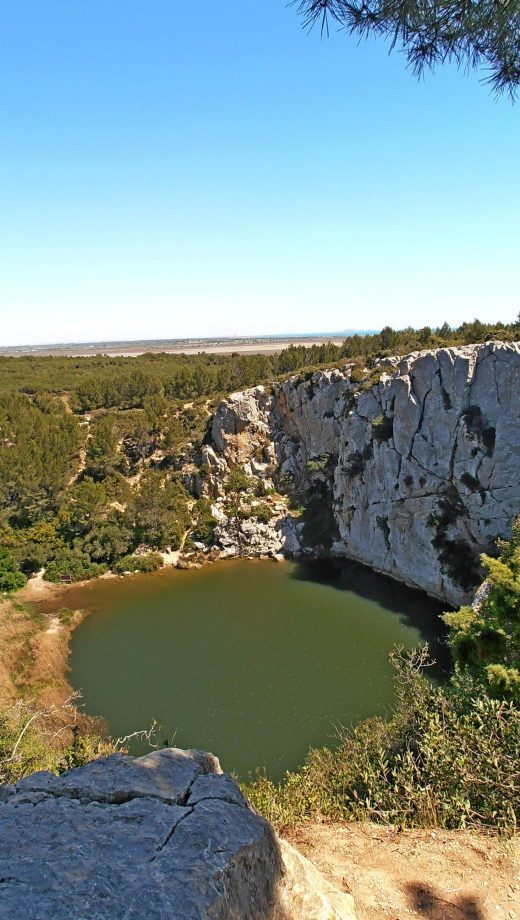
(414, 608)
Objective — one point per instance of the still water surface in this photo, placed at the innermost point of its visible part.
(255, 661)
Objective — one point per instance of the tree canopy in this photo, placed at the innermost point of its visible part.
(470, 33)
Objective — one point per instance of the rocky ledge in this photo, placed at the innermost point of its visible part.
(167, 836)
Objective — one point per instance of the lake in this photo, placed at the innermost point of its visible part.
(256, 661)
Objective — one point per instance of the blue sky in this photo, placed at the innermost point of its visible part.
(172, 169)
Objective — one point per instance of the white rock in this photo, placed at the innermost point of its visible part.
(423, 467)
(161, 837)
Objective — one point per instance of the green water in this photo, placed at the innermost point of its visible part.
(255, 661)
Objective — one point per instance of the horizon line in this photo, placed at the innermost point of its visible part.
(187, 340)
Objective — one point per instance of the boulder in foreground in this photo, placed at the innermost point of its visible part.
(167, 836)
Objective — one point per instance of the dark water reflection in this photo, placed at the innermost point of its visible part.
(414, 608)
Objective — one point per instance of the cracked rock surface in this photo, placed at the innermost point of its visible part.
(167, 836)
(418, 471)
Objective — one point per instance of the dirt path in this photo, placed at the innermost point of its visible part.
(437, 875)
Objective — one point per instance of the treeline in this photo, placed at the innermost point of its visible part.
(126, 382)
(109, 382)
(392, 341)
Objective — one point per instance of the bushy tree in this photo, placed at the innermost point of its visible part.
(161, 511)
(39, 446)
(11, 579)
(485, 638)
(109, 539)
(74, 562)
(102, 456)
(431, 32)
(85, 503)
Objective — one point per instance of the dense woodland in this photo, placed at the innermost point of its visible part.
(91, 453)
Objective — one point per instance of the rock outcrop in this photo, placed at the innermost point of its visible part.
(413, 472)
(167, 836)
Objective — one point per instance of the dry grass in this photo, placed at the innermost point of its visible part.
(34, 660)
(17, 630)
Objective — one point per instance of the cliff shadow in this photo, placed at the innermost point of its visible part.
(414, 608)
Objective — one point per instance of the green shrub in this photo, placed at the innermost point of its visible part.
(11, 579)
(238, 481)
(263, 513)
(263, 490)
(485, 640)
(205, 523)
(383, 428)
(148, 563)
(33, 738)
(316, 464)
(74, 563)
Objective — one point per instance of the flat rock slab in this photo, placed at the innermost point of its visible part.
(167, 836)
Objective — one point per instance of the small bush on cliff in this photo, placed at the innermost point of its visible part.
(317, 464)
(263, 513)
(204, 522)
(383, 428)
(238, 481)
(485, 639)
(33, 738)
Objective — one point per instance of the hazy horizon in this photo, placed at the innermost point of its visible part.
(193, 338)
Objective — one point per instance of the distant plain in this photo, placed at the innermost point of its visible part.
(219, 346)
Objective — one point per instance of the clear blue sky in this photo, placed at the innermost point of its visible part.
(171, 169)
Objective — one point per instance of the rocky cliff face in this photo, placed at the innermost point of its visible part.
(414, 472)
(162, 837)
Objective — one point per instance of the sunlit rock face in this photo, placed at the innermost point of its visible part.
(167, 836)
(418, 472)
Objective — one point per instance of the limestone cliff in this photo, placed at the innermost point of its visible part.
(167, 836)
(414, 472)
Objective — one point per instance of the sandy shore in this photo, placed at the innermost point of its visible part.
(37, 590)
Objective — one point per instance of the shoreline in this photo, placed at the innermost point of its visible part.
(46, 635)
(47, 599)
(38, 591)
